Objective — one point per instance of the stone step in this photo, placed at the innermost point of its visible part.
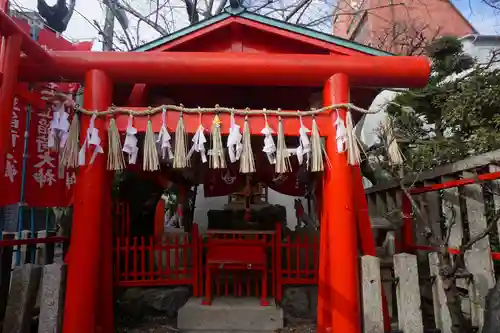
(229, 314)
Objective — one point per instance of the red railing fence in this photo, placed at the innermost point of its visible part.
(226, 251)
(297, 259)
(158, 261)
(180, 258)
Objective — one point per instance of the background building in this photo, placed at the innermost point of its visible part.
(482, 47)
(398, 26)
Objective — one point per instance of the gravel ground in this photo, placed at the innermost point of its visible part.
(153, 324)
(305, 328)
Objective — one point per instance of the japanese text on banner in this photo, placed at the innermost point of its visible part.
(14, 158)
(48, 184)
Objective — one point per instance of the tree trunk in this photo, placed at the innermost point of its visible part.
(492, 311)
(459, 323)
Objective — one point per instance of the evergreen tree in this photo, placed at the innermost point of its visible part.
(454, 116)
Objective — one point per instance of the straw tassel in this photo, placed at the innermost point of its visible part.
(394, 153)
(283, 164)
(116, 161)
(217, 156)
(71, 148)
(247, 163)
(353, 153)
(317, 150)
(180, 149)
(150, 159)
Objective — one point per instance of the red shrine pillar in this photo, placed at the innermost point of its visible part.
(338, 298)
(10, 56)
(106, 319)
(159, 227)
(83, 293)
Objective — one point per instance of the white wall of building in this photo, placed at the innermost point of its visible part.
(202, 205)
(481, 47)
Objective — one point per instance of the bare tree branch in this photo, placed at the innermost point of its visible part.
(129, 9)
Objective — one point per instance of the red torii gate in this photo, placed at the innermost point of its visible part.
(89, 283)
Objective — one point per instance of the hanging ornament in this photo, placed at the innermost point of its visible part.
(180, 149)
(217, 157)
(247, 162)
(130, 144)
(115, 155)
(92, 140)
(283, 164)
(269, 146)
(164, 138)
(340, 133)
(198, 146)
(227, 178)
(234, 146)
(59, 127)
(304, 148)
(150, 160)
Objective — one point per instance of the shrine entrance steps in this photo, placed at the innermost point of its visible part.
(229, 314)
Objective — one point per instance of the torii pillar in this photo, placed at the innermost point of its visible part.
(338, 285)
(10, 53)
(84, 290)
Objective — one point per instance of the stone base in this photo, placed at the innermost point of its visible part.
(229, 314)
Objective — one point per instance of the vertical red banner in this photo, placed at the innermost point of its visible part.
(10, 182)
(48, 184)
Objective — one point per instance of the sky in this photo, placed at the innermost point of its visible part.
(480, 15)
(80, 28)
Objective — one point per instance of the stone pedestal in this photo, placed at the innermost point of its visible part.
(228, 314)
(52, 298)
(22, 299)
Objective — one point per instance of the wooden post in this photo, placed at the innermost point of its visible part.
(84, 271)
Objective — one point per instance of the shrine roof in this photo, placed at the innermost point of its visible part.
(306, 34)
